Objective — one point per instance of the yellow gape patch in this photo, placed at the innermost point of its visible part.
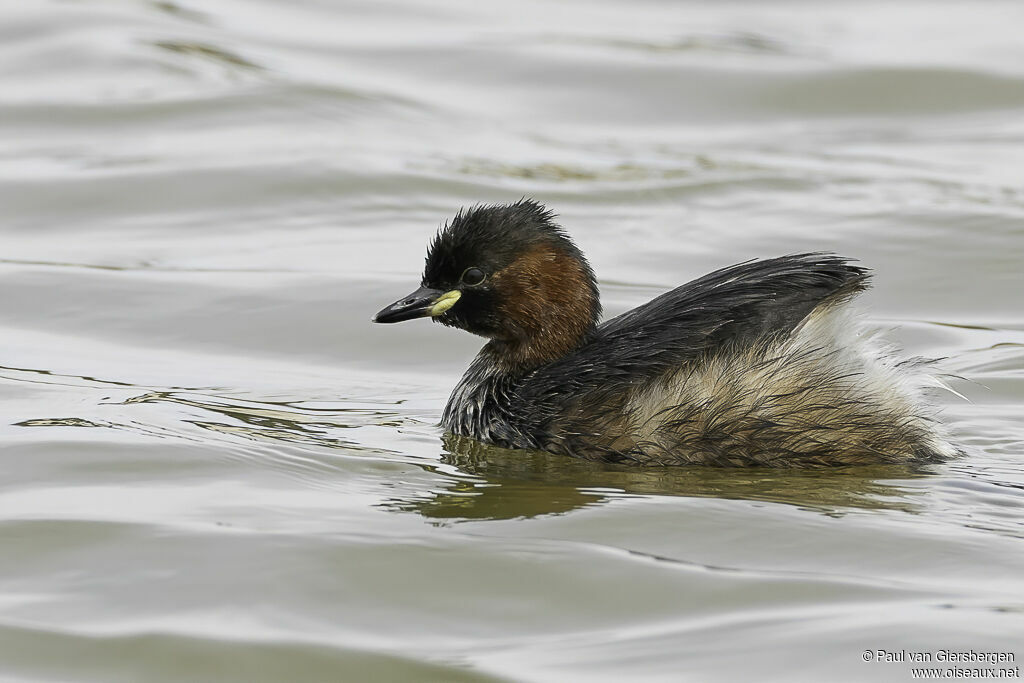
(444, 302)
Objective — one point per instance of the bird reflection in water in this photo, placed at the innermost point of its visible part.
(495, 483)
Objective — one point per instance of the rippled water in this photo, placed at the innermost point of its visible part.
(212, 467)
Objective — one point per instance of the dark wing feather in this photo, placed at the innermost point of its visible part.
(738, 305)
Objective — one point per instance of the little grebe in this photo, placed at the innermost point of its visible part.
(759, 363)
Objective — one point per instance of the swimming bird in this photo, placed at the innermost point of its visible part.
(760, 363)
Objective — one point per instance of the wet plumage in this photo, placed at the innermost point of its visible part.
(760, 363)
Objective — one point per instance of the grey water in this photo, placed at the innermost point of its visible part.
(214, 468)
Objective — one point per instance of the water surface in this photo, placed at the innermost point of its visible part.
(214, 468)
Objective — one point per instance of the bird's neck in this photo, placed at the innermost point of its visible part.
(517, 356)
(548, 307)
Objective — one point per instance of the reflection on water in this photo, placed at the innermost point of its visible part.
(498, 483)
(179, 11)
(59, 422)
(208, 52)
(277, 421)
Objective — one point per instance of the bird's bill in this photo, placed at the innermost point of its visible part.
(424, 302)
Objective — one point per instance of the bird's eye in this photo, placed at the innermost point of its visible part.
(473, 276)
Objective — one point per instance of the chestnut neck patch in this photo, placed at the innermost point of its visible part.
(547, 304)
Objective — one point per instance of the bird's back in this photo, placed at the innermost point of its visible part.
(758, 363)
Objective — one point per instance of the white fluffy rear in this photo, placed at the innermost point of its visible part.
(829, 393)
